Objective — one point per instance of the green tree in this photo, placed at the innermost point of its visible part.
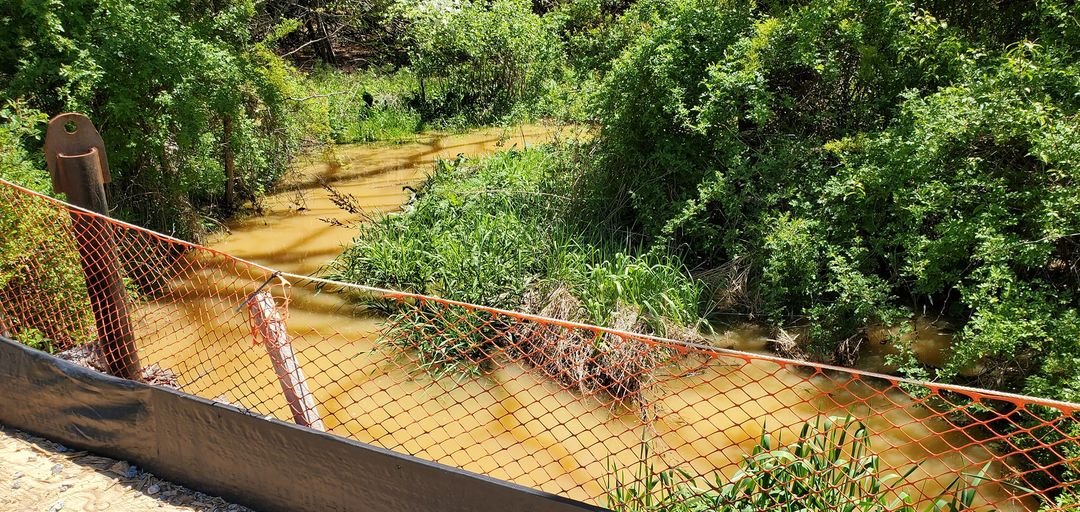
(481, 58)
(182, 94)
(865, 160)
(38, 260)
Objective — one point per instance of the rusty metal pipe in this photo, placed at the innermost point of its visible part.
(80, 177)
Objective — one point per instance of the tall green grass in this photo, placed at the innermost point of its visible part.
(493, 231)
(829, 468)
(388, 105)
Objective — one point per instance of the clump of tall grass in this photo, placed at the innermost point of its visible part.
(500, 232)
(445, 340)
(829, 468)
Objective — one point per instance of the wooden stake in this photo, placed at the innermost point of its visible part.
(271, 327)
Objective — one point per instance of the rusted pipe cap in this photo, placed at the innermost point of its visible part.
(79, 141)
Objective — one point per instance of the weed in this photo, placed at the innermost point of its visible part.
(829, 468)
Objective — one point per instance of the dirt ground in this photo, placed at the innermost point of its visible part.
(40, 475)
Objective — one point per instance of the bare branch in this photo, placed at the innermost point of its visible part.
(313, 96)
(301, 47)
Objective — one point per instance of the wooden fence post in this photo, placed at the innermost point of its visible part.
(271, 327)
(79, 169)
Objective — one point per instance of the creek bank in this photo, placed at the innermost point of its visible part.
(717, 413)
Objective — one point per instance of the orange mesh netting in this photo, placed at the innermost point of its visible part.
(603, 416)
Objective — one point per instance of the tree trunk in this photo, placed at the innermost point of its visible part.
(230, 163)
(328, 47)
(313, 35)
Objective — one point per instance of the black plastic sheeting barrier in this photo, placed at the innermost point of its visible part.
(219, 449)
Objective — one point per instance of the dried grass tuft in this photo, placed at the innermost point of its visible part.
(728, 285)
(786, 344)
(589, 361)
(847, 351)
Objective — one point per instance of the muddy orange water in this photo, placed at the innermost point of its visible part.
(511, 423)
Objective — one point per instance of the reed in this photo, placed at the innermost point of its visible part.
(830, 467)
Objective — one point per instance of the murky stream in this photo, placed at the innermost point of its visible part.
(512, 423)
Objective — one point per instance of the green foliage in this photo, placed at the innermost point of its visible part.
(660, 289)
(830, 467)
(475, 233)
(20, 127)
(160, 78)
(181, 89)
(974, 187)
(480, 59)
(489, 232)
(37, 259)
(865, 160)
(350, 118)
(593, 34)
(868, 160)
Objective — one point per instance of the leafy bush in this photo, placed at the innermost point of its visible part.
(37, 261)
(480, 58)
(590, 30)
(830, 467)
(864, 159)
(972, 189)
(20, 126)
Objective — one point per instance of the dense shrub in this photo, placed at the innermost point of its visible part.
(592, 31)
(172, 86)
(36, 259)
(974, 191)
(865, 160)
(480, 59)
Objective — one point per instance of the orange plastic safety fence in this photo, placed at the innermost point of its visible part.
(612, 418)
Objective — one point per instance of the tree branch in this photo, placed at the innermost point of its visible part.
(301, 47)
(313, 96)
